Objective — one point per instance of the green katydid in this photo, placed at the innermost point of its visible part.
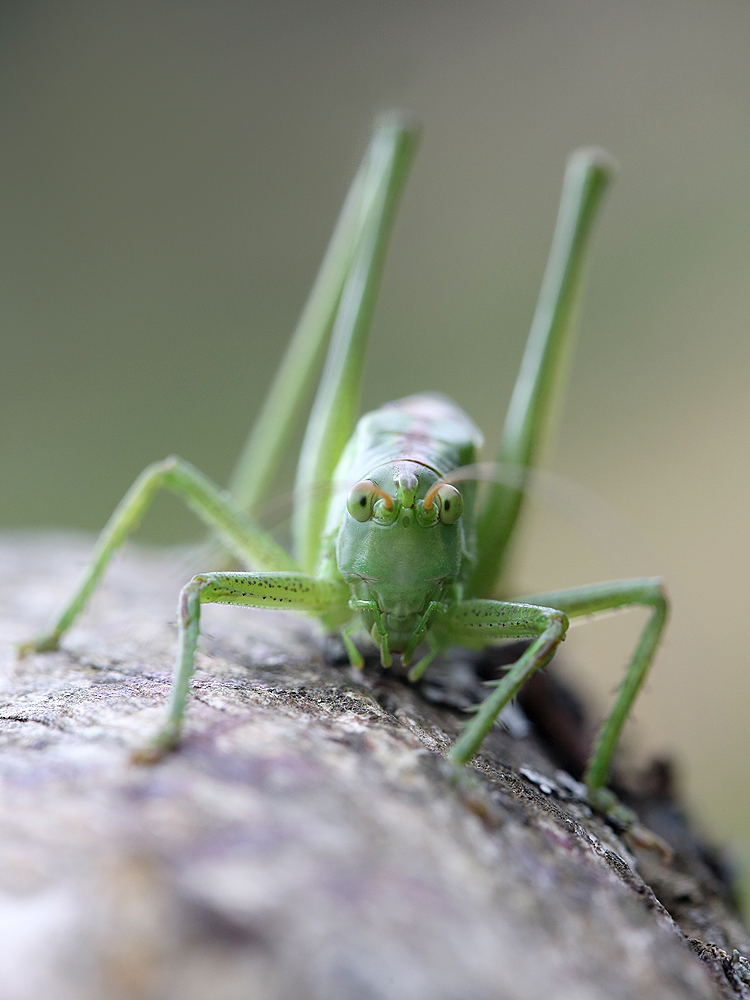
(401, 546)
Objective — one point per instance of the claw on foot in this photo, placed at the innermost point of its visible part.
(156, 749)
(42, 644)
(609, 806)
(640, 836)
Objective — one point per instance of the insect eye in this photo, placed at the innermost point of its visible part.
(361, 500)
(450, 503)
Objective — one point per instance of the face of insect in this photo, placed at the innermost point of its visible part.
(400, 547)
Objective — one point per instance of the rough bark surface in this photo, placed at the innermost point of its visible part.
(307, 840)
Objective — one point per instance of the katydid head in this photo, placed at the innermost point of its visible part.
(401, 548)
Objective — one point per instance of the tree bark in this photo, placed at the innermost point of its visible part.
(307, 840)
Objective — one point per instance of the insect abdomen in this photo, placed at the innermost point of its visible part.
(427, 428)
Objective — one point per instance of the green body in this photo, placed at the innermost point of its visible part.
(400, 566)
(403, 547)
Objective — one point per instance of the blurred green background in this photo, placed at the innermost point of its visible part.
(171, 173)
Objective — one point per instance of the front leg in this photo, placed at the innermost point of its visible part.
(285, 591)
(599, 598)
(479, 622)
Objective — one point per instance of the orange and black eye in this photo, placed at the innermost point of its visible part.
(448, 500)
(362, 497)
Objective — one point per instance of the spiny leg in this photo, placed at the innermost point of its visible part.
(285, 590)
(264, 447)
(479, 622)
(335, 407)
(362, 209)
(531, 407)
(241, 535)
(596, 599)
